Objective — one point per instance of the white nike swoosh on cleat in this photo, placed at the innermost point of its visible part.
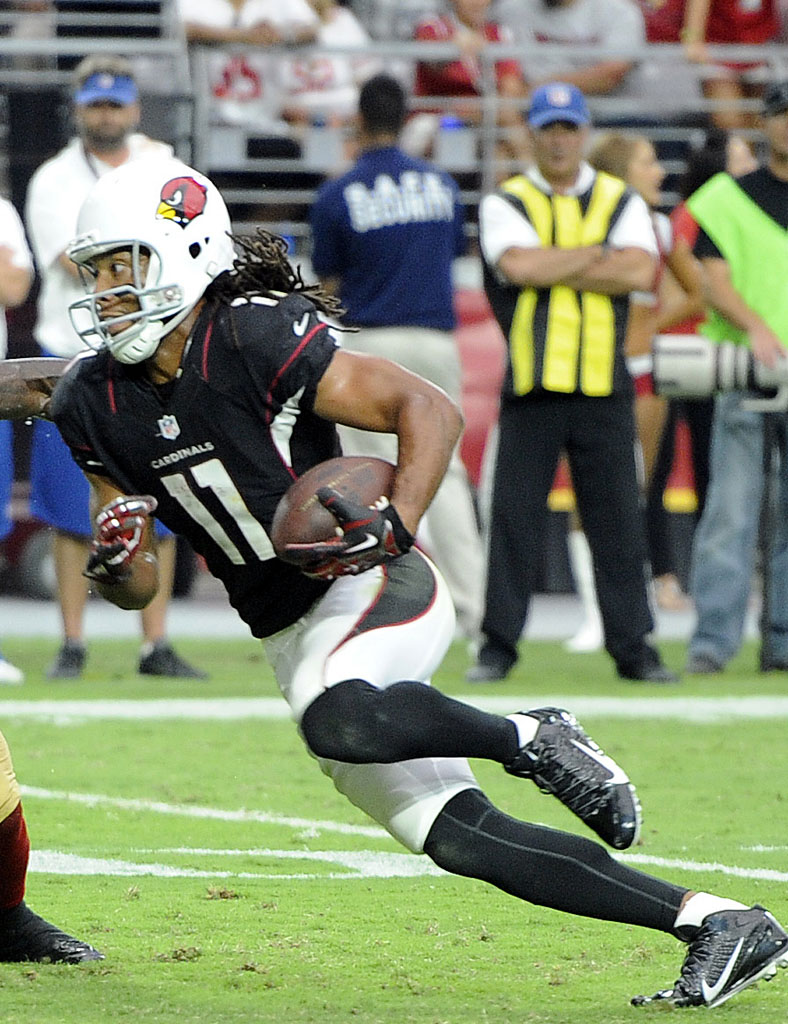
(710, 993)
(617, 774)
(370, 541)
(765, 974)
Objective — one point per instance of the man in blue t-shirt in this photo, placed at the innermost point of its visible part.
(385, 235)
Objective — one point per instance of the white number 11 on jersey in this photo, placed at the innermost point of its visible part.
(213, 475)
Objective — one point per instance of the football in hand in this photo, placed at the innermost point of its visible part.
(299, 516)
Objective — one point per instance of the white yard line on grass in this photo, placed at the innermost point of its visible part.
(359, 864)
(364, 864)
(713, 867)
(66, 712)
(688, 709)
(192, 811)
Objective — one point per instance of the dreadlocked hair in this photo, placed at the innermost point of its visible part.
(264, 269)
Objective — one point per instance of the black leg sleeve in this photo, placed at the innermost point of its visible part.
(360, 724)
(543, 866)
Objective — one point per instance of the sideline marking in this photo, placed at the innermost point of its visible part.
(66, 712)
(358, 861)
(358, 864)
(689, 709)
(713, 867)
(215, 813)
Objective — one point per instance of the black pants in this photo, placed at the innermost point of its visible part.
(598, 435)
(698, 416)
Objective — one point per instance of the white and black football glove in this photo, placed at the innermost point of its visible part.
(120, 527)
(366, 536)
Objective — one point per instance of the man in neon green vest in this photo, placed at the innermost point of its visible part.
(743, 247)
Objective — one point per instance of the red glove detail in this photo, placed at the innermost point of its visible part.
(368, 535)
(120, 526)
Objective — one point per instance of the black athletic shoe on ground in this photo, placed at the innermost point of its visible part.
(561, 759)
(26, 936)
(69, 662)
(731, 950)
(645, 667)
(163, 661)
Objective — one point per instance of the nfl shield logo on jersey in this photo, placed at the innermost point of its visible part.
(168, 427)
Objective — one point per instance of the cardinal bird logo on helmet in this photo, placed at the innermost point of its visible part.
(182, 199)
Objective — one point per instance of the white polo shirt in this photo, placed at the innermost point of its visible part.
(12, 234)
(54, 198)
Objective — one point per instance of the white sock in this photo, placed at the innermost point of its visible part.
(698, 907)
(526, 727)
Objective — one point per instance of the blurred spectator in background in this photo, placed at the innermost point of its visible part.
(37, 20)
(721, 151)
(245, 117)
(670, 81)
(242, 81)
(385, 236)
(732, 22)
(741, 244)
(663, 19)
(16, 276)
(467, 26)
(323, 88)
(579, 28)
(106, 112)
(393, 20)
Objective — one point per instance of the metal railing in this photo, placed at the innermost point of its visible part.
(181, 76)
(38, 53)
(683, 125)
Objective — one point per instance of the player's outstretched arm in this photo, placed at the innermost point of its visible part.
(22, 400)
(26, 386)
(375, 394)
(122, 561)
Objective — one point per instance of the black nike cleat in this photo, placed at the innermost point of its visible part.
(562, 760)
(26, 936)
(731, 950)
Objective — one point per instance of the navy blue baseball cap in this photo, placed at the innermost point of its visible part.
(557, 101)
(103, 87)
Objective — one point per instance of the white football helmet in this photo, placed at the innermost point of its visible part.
(175, 216)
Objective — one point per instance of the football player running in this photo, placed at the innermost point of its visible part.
(215, 383)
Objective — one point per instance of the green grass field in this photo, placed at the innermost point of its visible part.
(226, 881)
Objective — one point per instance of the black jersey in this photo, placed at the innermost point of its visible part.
(218, 446)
